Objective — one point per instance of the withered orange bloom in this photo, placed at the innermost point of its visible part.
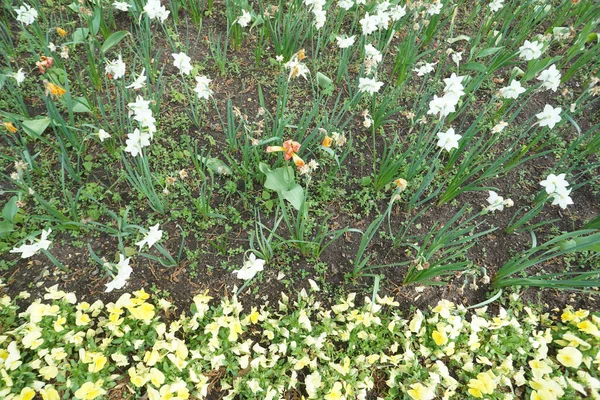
(54, 89)
(290, 148)
(327, 141)
(301, 55)
(61, 32)
(9, 125)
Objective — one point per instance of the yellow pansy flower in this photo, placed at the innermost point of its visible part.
(90, 390)
(49, 393)
(569, 357)
(26, 394)
(420, 392)
(440, 338)
(144, 312)
(335, 393)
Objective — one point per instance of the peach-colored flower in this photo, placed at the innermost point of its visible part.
(290, 148)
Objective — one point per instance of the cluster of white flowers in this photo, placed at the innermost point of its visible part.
(452, 93)
(182, 62)
(425, 69)
(140, 109)
(116, 68)
(26, 14)
(497, 202)
(556, 187)
(382, 17)
(155, 11)
(318, 11)
(28, 250)
(202, 89)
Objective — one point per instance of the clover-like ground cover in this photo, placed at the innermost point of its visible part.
(421, 150)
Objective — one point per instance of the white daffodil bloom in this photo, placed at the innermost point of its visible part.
(550, 78)
(26, 14)
(182, 62)
(250, 268)
(28, 250)
(116, 68)
(202, 89)
(123, 273)
(448, 140)
(513, 90)
(530, 50)
(151, 237)
(369, 85)
(550, 116)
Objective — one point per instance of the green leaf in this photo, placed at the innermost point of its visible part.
(10, 210)
(488, 52)
(35, 127)
(458, 38)
(79, 35)
(113, 40)
(474, 66)
(81, 105)
(215, 165)
(282, 181)
(579, 244)
(324, 81)
(5, 228)
(593, 224)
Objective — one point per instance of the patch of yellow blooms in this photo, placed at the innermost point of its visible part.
(59, 348)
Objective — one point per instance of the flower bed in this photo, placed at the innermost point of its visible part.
(135, 348)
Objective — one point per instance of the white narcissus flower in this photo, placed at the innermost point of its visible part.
(345, 42)
(155, 11)
(121, 5)
(151, 237)
(372, 53)
(513, 90)
(136, 141)
(425, 69)
(28, 250)
(26, 14)
(562, 197)
(550, 78)
(182, 62)
(345, 4)
(497, 202)
(369, 24)
(369, 85)
(454, 85)
(103, 135)
(499, 127)
(435, 8)
(202, 89)
(140, 82)
(123, 273)
(448, 140)
(554, 182)
(250, 268)
(530, 50)
(496, 5)
(443, 105)
(550, 116)
(397, 12)
(244, 19)
(116, 68)
(18, 76)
